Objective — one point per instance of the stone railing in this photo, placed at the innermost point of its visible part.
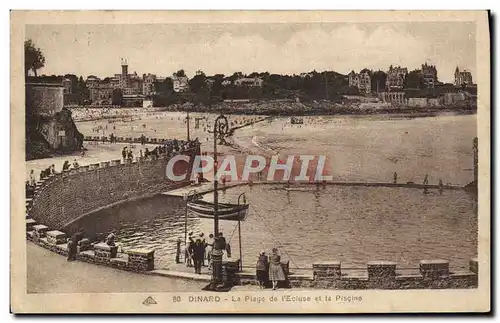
(62, 198)
(431, 274)
(138, 260)
(385, 275)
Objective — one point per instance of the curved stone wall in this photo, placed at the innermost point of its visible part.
(65, 197)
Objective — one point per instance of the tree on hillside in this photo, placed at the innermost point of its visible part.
(217, 87)
(198, 83)
(378, 77)
(164, 87)
(235, 76)
(414, 80)
(33, 58)
(180, 73)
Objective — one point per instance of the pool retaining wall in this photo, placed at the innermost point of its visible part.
(431, 274)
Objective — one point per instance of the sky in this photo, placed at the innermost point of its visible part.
(284, 48)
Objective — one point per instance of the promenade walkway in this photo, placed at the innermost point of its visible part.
(51, 273)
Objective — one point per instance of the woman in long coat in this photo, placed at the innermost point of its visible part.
(276, 273)
(262, 269)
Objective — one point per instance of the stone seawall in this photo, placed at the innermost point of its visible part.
(137, 260)
(431, 274)
(65, 197)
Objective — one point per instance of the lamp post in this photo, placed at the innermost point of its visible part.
(221, 128)
(239, 228)
(186, 197)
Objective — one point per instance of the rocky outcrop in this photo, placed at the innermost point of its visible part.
(47, 135)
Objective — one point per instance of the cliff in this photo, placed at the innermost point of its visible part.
(47, 135)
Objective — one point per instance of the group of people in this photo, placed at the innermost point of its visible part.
(269, 269)
(198, 249)
(67, 165)
(127, 153)
(47, 171)
(168, 148)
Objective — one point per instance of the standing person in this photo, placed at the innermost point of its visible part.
(73, 243)
(220, 242)
(124, 152)
(208, 250)
(262, 268)
(198, 255)
(426, 179)
(395, 177)
(178, 251)
(276, 273)
(188, 251)
(32, 178)
(202, 238)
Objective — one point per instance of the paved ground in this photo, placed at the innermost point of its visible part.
(51, 273)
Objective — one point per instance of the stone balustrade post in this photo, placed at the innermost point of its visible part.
(381, 274)
(83, 245)
(141, 259)
(30, 223)
(56, 237)
(103, 252)
(432, 269)
(39, 231)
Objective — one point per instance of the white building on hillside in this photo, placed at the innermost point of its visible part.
(361, 80)
(249, 81)
(180, 83)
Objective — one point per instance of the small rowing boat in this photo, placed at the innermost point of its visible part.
(225, 211)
